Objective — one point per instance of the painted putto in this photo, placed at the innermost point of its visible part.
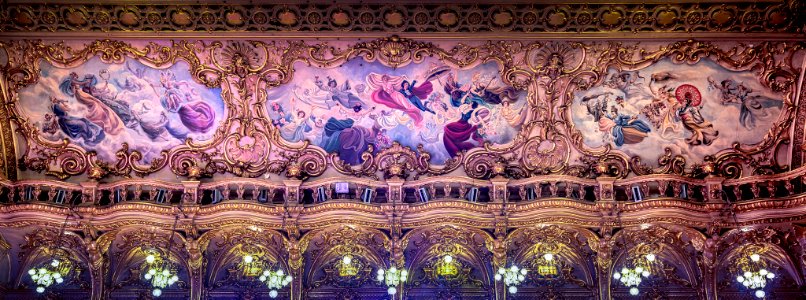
(693, 109)
(348, 109)
(99, 106)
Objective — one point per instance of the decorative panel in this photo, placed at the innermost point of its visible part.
(396, 107)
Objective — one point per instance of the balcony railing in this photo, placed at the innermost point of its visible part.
(375, 192)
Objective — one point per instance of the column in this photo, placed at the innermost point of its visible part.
(292, 191)
(713, 189)
(190, 193)
(499, 190)
(89, 193)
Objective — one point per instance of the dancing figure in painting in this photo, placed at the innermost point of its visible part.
(386, 92)
(627, 129)
(294, 131)
(74, 127)
(179, 97)
(751, 107)
(97, 111)
(702, 131)
(415, 95)
(662, 112)
(349, 141)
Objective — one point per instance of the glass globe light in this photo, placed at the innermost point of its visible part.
(497, 277)
(248, 259)
(548, 256)
(273, 293)
(740, 279)
(156, 292)
(40, 289)
(513, 289)
(616, 276)
(150, 259)
(770, 275)
(392, 290)
(755, 257)
(634, 291)
(760, 294)
(347, 259)
(54, 263)
(32, 272)
(650, 257)
(448, 258)
(380, 271)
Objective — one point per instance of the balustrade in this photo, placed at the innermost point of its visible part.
(554, 187)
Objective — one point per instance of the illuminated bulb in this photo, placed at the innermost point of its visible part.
(380, 272)
(273, 293)
(57, 275)
(645, 273)
(392, 290)
(379, 278)
(521, 278)
(262, 278)
(513, 289)
(616, 276)
(497, 277)
(747, 274)
(624, 270)
(40, 289)
(448, 259)
(175, 278)
(393, 269)
(755, 257)
(650, 257)
(150, 259)
(548, 256)
(54, 263)
(347, 260)
(740, 279)
(165, 272)
(32, 272)
(248, 259)
(634, 291)
(266, 273)
(156, 292)
(523, 271)
(59, 280)
(763, 272)
(760, 294)
(501, 271)
(770, 275)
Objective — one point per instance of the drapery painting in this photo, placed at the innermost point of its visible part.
(695, 110)
(447, 110)
(99, 106)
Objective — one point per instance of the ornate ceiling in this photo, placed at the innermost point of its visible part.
(397, 134)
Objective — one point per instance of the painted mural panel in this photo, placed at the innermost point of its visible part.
(346, 109)
(100, 106)
(695, 110)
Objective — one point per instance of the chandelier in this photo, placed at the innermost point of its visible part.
(755, 275)
(275, 280)
(632, 277)
(160, 274)
(512, 277)
(392, 278)
(51, 273)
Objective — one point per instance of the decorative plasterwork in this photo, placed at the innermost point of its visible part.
(320, 16)
(248, 144)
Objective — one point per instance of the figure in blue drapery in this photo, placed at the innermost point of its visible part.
(416, 94)
(349, 141)
(627, 130)
(76, 127)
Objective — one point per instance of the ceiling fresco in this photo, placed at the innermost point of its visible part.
(99, 106)
(396, 106)
(363, 104)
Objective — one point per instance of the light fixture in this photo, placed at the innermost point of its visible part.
(755, 276)
(161, 272)
(632, 277)
(251, 265)
(512, 277)
(348, 266)
(51, 273)
(447, 266)
(546, 265)
(275, 280)
(393, 278)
